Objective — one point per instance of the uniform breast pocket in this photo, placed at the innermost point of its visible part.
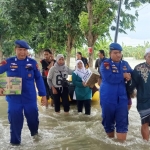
(13, 73)
(29, 74)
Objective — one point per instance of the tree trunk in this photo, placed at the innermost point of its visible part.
(1, 55)
(90, 34)
(70, 41)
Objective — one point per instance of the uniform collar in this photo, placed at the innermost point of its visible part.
(115, 62)
(27, 59)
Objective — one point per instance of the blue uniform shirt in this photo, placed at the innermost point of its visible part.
(113, 89)
(26, 69)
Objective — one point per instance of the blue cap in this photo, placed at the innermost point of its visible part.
(115, 46)
(22, 44)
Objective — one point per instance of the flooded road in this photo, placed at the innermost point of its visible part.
(72, 132)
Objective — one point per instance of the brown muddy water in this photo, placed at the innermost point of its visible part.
(72, 132)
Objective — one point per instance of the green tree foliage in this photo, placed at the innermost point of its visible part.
(21, 14)
(136, 52)
(66, 27)
(62, 24)
(96, 21)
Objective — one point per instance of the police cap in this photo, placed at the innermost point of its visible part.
(115, 46)
(22, 44)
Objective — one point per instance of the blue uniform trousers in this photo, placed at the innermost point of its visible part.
(115, 115)
(16, 118)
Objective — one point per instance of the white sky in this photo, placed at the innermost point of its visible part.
(142, 30)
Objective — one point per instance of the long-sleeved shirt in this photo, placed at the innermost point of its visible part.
(113, 88)
(26, 69)
(82, 93)
(141, 81)
(55, 76)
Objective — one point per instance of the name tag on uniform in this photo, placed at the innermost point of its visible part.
(124, 68)
(114, 67)
(14, 67)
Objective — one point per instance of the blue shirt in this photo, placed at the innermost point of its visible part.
(113, 88)
(26, 69)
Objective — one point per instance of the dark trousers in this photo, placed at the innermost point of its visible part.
(48, 90)
(63, 94)
(86, 104)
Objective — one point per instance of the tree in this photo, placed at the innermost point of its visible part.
(23, 15)
(96, 21)
(66, 26)
(99, 16)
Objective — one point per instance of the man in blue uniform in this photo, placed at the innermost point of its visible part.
(114, 102)
(26, 103)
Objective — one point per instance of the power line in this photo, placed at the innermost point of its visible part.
(143, 7)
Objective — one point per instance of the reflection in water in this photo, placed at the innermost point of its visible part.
(72, 132)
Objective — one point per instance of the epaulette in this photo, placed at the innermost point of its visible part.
(11, 58)
(30, 59)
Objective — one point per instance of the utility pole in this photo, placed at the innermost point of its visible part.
(118, 21)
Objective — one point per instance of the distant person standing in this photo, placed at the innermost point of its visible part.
(47, 63)
(82, 93)
(98, 63)
(56, 79)
(84, 60)
(101, 58)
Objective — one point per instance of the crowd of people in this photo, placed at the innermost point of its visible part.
(117, 83)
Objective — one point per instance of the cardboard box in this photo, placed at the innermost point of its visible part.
(11, 85)
(91, 77)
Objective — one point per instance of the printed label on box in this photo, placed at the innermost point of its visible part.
(11, 85)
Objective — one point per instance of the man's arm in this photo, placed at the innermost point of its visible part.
(96, 64)
(134, 82)
(108, 75)
(39, 81)
(50, 76)
(4, 66)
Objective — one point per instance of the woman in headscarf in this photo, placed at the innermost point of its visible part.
(82, 93)
(56, 79)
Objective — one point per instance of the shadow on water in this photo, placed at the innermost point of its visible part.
(72, 132)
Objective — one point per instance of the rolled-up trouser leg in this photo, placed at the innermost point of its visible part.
(31, 114)
(15, 117)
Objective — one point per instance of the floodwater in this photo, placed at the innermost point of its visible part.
(72, 132)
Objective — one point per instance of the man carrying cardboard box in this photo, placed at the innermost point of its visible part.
(25, 68)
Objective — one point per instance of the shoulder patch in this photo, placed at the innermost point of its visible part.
(106, 65)
(4, 62)
(37, 66)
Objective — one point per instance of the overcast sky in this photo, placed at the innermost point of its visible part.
(142, 30)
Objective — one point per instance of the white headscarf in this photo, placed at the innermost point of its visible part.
(80, 72)
(147, 51)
